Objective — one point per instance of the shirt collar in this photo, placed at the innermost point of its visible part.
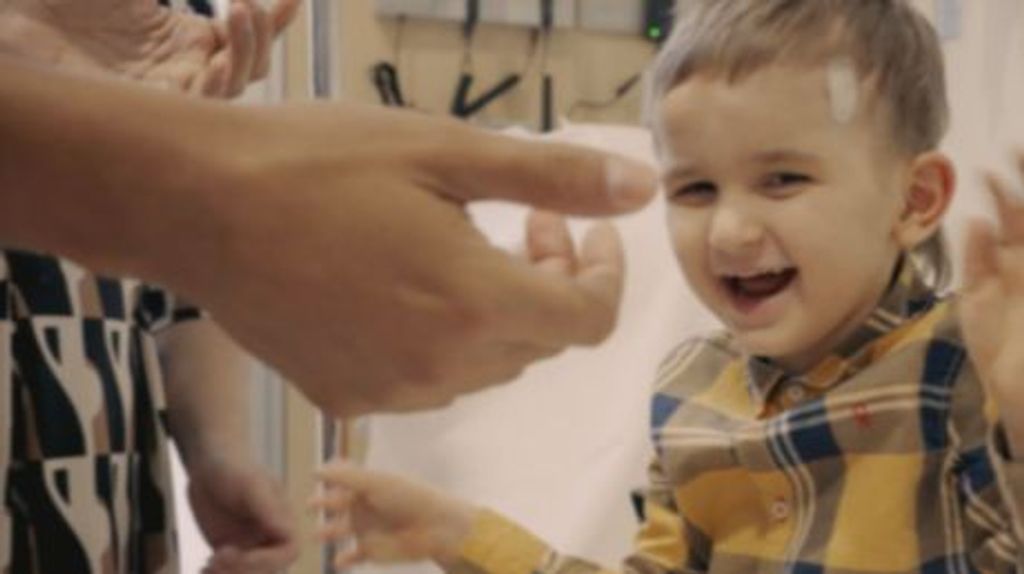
(906, 298)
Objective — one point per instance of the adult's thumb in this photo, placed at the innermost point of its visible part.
(555, 176)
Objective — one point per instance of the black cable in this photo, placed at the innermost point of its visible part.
(547, 122)
(463, 106)
(472, 18)
(547, 14)
(389, 89)
(502, 88)
(620, 92)
(469, 26)
(386, 76)
(483, 100)
(547, 88)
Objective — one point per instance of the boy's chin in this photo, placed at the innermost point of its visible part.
(771, 345)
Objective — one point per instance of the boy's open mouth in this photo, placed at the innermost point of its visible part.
(753, 289)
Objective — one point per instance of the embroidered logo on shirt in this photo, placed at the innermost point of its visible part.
(861, 415)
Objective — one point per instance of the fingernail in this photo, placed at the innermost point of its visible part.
(630, 183)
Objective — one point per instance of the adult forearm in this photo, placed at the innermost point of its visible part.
(208, 391)
(330, 240)
(98, 171)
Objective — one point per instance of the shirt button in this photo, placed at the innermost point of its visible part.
(796, 393)
(780, 509)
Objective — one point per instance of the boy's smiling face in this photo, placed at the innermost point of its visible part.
(782, 210)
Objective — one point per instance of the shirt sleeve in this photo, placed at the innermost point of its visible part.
(497, 545)
(989, 485)
(1008, 481)
(159, 309)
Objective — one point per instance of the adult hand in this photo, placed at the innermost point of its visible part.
(143, 41)
(244, 516)
(329, 239)
(354, 268)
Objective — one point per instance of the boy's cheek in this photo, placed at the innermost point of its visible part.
(685, 225)
(687, 247)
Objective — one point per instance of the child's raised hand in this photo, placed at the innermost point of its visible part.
(389, 518)
(992, 309)
(550, 247)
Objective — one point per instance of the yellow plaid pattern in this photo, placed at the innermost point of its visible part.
(880, 459)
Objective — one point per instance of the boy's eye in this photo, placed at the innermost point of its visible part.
(697, 193)
(783, 181)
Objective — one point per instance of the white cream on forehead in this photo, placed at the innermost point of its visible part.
(843, 89)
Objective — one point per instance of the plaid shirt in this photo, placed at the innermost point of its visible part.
(884, 457)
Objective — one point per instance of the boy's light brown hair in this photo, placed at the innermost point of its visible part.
(895, 51)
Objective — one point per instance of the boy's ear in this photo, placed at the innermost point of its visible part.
(927, 197)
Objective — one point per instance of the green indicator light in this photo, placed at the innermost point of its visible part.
(654, 32)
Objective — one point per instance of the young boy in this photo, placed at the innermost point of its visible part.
(839, 425)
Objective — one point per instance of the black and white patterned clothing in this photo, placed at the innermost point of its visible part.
(83, 447)
(84, 462)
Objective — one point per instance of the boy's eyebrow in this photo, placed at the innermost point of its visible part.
(783, 155)
(683, 172)
(678, 172)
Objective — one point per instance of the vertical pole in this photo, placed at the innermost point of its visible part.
(322, 75)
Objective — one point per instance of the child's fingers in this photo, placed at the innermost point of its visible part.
(1009, 209)
(333, 502)
(213, 81)
(241, 48)
(335, 530)
(349, 557)
(549, 243)
(346, 475)
(981, 259)
(282, 13)
(263, 29)
(602, 265)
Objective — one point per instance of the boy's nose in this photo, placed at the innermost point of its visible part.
(735, 234)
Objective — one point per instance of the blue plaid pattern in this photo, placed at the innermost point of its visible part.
(881, 459)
